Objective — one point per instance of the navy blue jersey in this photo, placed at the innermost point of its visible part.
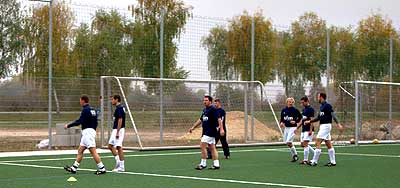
(209, 121)
(88, 118)
(325, 113)
(119, 113)
(288, 114)
(222, 115)
(308, 113)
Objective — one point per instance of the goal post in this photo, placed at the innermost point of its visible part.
(161, 119)
(375, 116)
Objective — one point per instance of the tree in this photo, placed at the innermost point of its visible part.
(239, 46)
(11, 26)
(373, 36)
(220, 64)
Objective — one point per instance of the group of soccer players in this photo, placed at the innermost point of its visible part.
(292, 120)
(88, 120)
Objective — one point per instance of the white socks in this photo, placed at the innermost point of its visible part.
(293, 151)
(100, 165)
(317, 152)
(216, 163)
(311, 149)
(306, 152)
(203, 162)
(332, 155)
(75, 166)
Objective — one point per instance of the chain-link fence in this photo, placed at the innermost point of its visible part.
(156, 40)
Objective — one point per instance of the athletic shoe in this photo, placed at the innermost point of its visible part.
(214, 167)
(294, 159)
(304, 162)
(119, 169)
(227, 157)
(69, 169)
(200, 167)
(330, 164)
(312, 163)
(98, 172)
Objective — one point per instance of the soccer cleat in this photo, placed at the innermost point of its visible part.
(330, 164)
(98, 172)
(312, 163)
(200, 167)
(227, 157)
(294, 159)
(214, 167)
(119, 169)
(70, 169)
(304, 162)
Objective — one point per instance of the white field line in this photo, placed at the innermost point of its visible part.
(174, 176)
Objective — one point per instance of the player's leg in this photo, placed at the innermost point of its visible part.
(77, 162)
(317, 152)
(203, 149)
(209, 152)
(111, 147)
(214, 152)
(289, 141)
(225, 147)
(121, 159)
(331, 152)
(96, 157)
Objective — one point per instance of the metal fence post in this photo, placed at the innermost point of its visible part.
(390, 87)
(161, 74)
(252, 78)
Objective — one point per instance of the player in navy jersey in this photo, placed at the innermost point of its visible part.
(307, 131)
(224, 143)
(117, 134)
(88, 120)
(290, 116)
(325, 116)
(210, 121)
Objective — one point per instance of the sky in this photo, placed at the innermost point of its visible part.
(284, 12)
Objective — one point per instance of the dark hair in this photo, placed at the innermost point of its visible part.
(217, 100)
(305, 99)
(323, 95)
(209, 98)
(117, 97)
(85, 98)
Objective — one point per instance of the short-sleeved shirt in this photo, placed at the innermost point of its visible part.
(88, 118)
(209, 121)
(222, 115)
(288, 114)
(119, 113)
(308, 113)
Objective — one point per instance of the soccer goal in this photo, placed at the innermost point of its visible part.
(159, 112)
(376, 117)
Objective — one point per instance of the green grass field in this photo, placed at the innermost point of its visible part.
(364, 166)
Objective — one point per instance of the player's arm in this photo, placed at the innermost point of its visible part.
(340, 127)
(119, 127)
(311, 127)
(221, 127)
(76, 122)
(281, 123)
(196, 124)
(313, 120)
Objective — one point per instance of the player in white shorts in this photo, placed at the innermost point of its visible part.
(88, 120)
(117, 134)
(307, 131)
(324, 134)
(290, 116)
(209, 120)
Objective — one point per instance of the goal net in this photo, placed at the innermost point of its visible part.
(370, 111)
(159, 112)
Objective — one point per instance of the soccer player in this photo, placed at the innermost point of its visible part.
(117, 134)
(290, 116)
(209, 120)
(325, 116)
(225, 146)
(88, 120)
(307, 131)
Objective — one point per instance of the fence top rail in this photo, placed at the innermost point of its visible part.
(374, 82)
(181, 80)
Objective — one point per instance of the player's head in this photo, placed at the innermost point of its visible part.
(115, 99)
(290, 101)
(321, 97)
(207, 100)
(84, 100)
(217, 103)
(304, 101)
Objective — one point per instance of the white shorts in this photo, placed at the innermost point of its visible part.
(289, 135)
(208, 139)
(88, 139)
(306, 137)
(113, 139)
(325, 131)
